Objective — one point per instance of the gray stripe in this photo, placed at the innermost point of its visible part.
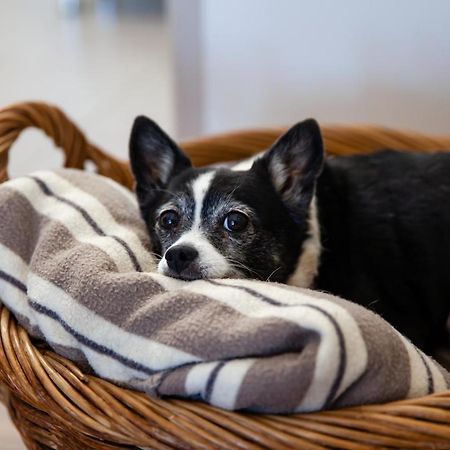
(117, 204)
(279, 383)
(90, 276)
(388, 374)
(20, 224)
(89, 220)
(178, 319)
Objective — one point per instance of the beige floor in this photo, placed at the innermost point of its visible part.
(102, 68)
(9, 437)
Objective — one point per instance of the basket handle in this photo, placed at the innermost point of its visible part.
(64, 133)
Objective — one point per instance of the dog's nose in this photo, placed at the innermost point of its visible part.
(179, 257)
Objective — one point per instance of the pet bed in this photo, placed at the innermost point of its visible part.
(55, 405)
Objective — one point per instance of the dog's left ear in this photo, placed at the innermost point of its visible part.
(154, 158)
(294, 162)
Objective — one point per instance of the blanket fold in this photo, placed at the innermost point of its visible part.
(77, 271)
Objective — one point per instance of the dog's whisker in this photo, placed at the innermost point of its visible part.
(156, 254)
(276, 270)
(239, 265)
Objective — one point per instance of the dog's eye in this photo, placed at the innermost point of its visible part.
(235, 221)
(169, 219)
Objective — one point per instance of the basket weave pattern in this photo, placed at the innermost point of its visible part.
(55, 405)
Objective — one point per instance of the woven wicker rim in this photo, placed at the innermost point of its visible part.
(56, 405)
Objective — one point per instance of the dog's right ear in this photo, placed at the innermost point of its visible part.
(154, 158)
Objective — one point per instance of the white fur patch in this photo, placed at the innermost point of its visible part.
(200, 187)
(212, 263)
(309, 259)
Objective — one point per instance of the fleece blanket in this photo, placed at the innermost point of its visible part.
(76, 270)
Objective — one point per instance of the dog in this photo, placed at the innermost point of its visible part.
(373, 229)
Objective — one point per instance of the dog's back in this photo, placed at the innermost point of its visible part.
(385, 222)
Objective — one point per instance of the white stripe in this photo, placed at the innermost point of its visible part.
(76, 224)
(439, 381)
(228, 382)
(418, 380)
(327, 362)
(110, 368)
(53, 331)
(145, 351)
(197, 378)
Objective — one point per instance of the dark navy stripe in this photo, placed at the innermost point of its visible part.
(342, 352)
(89, 342)
(14, 281)
(47, 191)
(211, 380)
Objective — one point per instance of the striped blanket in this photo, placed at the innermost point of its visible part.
(76, 270)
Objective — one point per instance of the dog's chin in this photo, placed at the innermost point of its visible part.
(201, 274)
(184, 276)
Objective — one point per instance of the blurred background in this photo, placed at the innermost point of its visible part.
(199, 66)
(204, 66)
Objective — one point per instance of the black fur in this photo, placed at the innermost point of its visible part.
(293, 164)
(271, 245)
(385, 225)
(155, 159)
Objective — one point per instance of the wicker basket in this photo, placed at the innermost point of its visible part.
(55, 405)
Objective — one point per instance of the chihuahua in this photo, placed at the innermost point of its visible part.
(373, 229)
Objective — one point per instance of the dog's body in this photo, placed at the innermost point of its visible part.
(371, 229)
(385, 222)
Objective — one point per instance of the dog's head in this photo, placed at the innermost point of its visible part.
(250, 222)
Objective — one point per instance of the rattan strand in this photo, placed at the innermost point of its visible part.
(54, 404)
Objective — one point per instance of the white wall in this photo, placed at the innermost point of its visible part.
(267, 62)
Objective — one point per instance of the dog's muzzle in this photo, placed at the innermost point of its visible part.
(182, 261)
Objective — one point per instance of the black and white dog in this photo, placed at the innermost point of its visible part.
(372, 229)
